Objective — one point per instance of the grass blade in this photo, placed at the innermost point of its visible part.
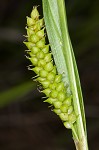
(56, 25)
(14, 93)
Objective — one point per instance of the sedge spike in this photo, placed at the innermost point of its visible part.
(47, 76)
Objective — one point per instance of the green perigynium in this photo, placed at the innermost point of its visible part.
(46, 71)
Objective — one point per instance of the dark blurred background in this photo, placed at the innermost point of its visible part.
(25, 121)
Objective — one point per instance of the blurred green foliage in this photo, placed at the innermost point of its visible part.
(15, 93)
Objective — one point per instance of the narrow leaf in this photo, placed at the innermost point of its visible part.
(14, 93)
(57, 30)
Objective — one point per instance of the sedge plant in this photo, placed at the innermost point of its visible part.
(56, 69)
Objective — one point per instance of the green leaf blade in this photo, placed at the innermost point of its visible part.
(14, 93)
(55, 39)
(56, 25)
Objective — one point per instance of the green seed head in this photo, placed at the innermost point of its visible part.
(47, 74)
